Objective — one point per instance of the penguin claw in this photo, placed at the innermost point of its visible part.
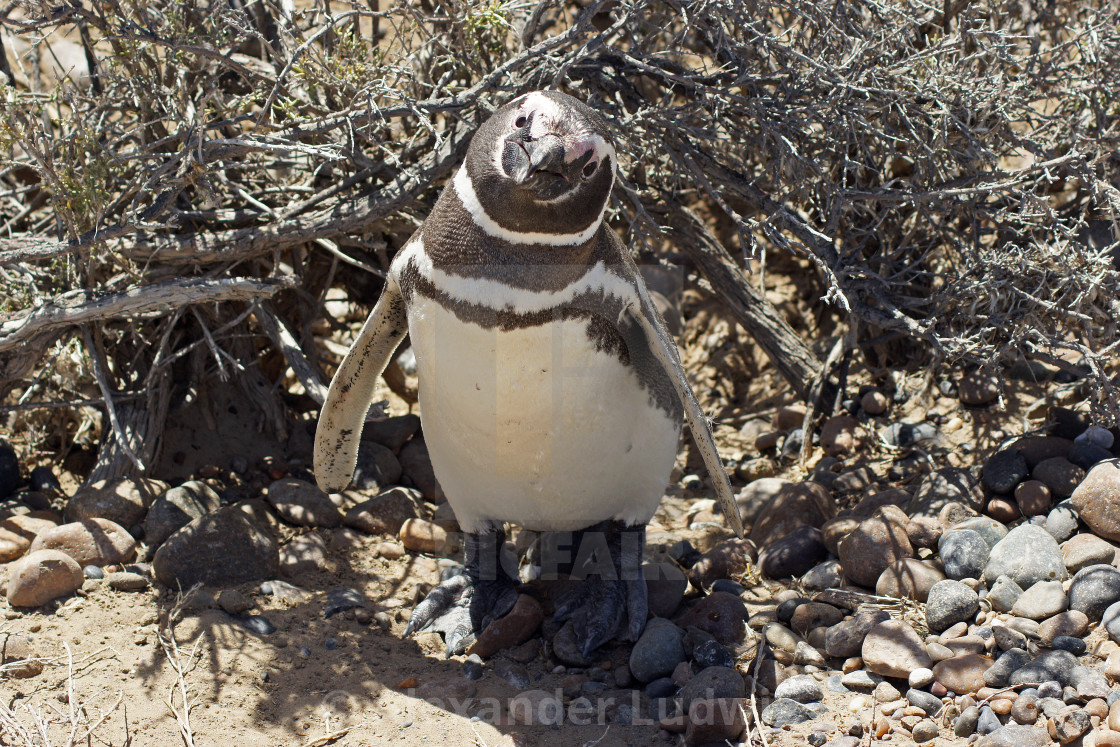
(461, 607)
(602, 610)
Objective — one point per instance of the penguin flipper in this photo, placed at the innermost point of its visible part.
(351, 392)
(664, 350)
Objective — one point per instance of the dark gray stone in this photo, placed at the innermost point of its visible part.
(1004, 593)
(10, 478)
(950, 602)
(223, 548)
(928, 702)
(258, 624)
(1051, 666)
(392, 432)
(988, 721)
(1075, 646)
(802, 688)
(965, 725)
(964, 553)
(377, 467)
(1085, 454)
(1061, 522)
(178, 507)
(1012, 660)
(1004, 470)
(783, 712)
(793, 554)
(1094, 589)
(658, 651)
(713, 682)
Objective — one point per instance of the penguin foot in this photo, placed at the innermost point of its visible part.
(611, 602)
(462, 606)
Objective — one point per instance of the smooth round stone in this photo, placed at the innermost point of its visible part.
(826, 575)
(1007, 639)
(962, 674)
(786, 712)
(814, 615)
(713, 682)
(950, 602)
(835, 684)
(1061, 522)
(1083, 550)
(1009, 662)
(1097, 435)
(1027, 554)
(893, 649)
(1059, 475)
(1033, 497)
(1056, 666)
(978, 388)
(991, 530)
(1024, 709)
(802, 688)
(728, 586)
(1110, 621)
(92, 571)
(873, 545)
(909, 578)
(1004, 510)
(860, 679)
(963, 553)
(988, 721)
(965, 725)
(924, 731)
(1093, 589)
(920, 677)
(781, 637)
(1072, 623)
(794, 554)
(1004, 470)
(845, 639)
(928, 702)
(1003, 594)
(658, 650)
(1086, 455)
(662, 687)
(1044, 599)
(1017, 735)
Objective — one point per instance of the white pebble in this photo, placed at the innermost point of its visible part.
(920, 677)
(894, 705)
(858, 703)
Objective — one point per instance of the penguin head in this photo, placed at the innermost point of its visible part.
(543, 163)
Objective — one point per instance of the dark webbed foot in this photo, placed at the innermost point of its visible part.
(462, 606)
(611, 601)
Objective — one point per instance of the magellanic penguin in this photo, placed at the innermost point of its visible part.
(551, 395)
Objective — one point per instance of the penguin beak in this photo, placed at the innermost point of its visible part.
(543, 154)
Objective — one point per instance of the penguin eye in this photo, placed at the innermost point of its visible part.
(520, 121)
(589, 169)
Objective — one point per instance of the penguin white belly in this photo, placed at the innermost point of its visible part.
(535, 426)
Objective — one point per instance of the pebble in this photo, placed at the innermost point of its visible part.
(1075, 646)
(1016, 735)
(728, 559)
(536, 708)
(378, 467)
(826, 575)
(1070, 724)
(920, 677)
(19, 658)
(1003, 510)
(1042, 600)
(1003, 594)
(991, 530)
(1061, 522)
(713, 682)
(962, 674)
(950, 602)
(304, 554)
(1097, 435)
(1004, 470)
(710, 653)
(1050, 666)
(893, 649)
(1093, 589)
(869, 549)
(386, 512)
(814, 615)
(123, 501)
(1032, 497)
(472, 667)
(392, 432)
(794, 554)
(802, 688)
(126, 581)
(834, 530)
(839, 435)
(963, 553)
(755, 496)
(785, 712)
(965, 725)
(846, 638)
(1110, 621)
(978, 388)
(795, 505)
(903, 435)
(1059, 475)
(222, 548)
(924, 731)
(1024, 709)
(873, 402)
(513, 629)
(715, 720)
(722, 615)
(40, 576)
(1089, 682)
(1086, 455)
(1072, 623)
(419, 535)
(513, 673)
(988, 721)
(1097, 499)
(1084, 550)
(258, 624)
(658, 650)
(930, 704)
(1027, 554)
(729, 586)
(176, 508)
(860, 679)
(909, 578)
(89, 542)
(999, 673)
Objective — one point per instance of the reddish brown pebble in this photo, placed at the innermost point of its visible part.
(407, 684)
(1002, 510)
(1033, 498)
(1002, 706)
(874, 402)
(516, 627)
(938, 689)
